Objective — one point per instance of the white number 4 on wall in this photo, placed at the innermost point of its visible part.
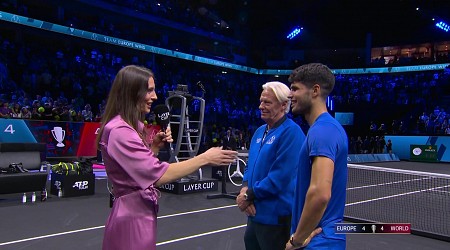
(9, 129)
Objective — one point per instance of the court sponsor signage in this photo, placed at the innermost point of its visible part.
(72, 185)
(190, 186)
(426, 153)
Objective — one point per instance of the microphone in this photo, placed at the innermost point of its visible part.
(162, 116)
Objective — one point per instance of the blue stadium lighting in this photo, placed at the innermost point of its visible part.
(330, 103)
(443, 26)
(294, 33)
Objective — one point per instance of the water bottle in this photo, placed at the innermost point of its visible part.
(60, 192)
(24, 198)
(43, 166)
(44, 195)
(33, 197)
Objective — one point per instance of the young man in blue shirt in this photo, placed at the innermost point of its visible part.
(319, 199)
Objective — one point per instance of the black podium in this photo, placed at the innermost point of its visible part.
(224, 193)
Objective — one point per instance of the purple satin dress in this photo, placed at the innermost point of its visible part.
(133, 169)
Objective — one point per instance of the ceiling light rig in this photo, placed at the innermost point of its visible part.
(443, 26)
(294, 33)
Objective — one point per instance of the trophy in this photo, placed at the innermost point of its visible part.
(59, 134)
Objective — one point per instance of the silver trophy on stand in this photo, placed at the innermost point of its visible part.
(186, 122)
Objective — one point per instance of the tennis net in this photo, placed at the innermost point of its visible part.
(384, 195)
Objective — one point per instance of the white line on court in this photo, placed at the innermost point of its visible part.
(388, 183)
(196, 211)
(200, 235)
(50, 235)
(100, 227)
(396, 195)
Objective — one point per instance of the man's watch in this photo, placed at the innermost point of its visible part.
(297, 246)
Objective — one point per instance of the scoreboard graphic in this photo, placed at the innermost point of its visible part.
(63, 139)
(15, 130)
(373, 228)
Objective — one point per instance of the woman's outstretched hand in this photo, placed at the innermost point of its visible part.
(218, 156)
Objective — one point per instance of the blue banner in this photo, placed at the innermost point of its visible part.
(13, 18)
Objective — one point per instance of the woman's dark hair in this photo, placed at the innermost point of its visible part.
(126, 95)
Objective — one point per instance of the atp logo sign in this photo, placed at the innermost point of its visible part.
(81, 185)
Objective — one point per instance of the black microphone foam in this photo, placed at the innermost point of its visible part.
(162, 116)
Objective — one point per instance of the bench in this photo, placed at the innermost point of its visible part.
(31, 155)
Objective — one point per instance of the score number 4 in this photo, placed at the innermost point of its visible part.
(9, 129)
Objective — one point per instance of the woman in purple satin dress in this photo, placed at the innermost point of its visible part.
(131, 163)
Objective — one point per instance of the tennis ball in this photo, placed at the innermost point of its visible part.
(145, 122)
(41, 109)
